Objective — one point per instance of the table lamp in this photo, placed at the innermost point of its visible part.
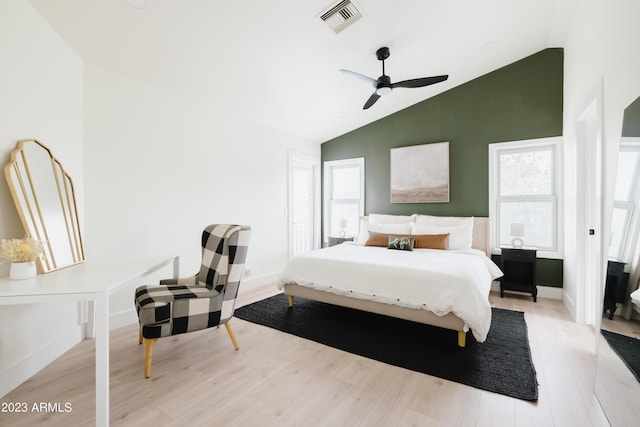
(517, 232)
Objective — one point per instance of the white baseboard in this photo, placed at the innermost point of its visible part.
(550, 292)
(122, 318)
(256, 282)
(570, 304)
(21, 371)
(543, 291)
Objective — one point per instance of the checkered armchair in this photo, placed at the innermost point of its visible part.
(197, 302)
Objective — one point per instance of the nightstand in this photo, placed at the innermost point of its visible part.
(615, 287)
(519, 268)
(337, 240)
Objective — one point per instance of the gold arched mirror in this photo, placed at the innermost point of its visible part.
(45, 198)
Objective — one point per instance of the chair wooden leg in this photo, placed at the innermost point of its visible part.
(462, 338)
(149, 343)
(233, 337)
(140, 335)
(290, 297)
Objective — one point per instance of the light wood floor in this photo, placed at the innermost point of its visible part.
(617, 389)
(276, 379)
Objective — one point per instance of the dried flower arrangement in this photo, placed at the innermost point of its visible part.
(21, 250)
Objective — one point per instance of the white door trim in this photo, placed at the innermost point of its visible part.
(591, 254)
(313, 161)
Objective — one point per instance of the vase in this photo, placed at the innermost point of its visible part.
(22, 270)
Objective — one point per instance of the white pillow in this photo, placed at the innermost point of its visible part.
(391, 219)
(363, 230)
(366, 226)
(460, 236)
(391, 228)
(443, 221)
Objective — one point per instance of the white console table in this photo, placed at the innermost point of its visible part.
(90, 281)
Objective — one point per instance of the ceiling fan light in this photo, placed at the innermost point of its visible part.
(382, 91)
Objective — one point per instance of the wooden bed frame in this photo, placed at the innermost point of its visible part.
(481, 241)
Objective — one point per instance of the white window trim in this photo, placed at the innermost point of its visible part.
(327, 185)
(628, 246)
(525, 145)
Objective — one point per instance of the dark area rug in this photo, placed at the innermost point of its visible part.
(502, 364)
(627, 348)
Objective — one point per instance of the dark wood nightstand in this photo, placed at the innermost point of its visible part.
(519, 268)
(337, 240)
(615, 287)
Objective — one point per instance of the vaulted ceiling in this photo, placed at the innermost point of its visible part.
(276, 62)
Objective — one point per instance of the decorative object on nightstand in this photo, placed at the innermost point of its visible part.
(336, 240)
(343, 225)
(615, 287)
(519, 268)
(517, 233)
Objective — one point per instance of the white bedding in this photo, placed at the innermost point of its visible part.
(440, 281)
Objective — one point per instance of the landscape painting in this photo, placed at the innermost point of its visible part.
(420, 173)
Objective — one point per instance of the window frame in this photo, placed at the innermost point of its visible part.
(556, 196)
(632, 223)
(327, 181)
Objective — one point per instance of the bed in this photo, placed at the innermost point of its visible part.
(444, 288)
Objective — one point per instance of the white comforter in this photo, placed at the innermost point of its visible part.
(436, 280)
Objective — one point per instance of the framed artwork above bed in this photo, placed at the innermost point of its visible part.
(420, 173)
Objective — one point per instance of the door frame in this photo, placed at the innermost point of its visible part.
(591, 253)
(313, 161)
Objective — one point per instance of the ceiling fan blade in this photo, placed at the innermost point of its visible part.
(372, 100)
(425, 81)
(368, 80)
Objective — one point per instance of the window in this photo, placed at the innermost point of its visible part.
(524, 194)
(624, 218)
(343, 196)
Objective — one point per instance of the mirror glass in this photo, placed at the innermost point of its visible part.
(45, 198)
(617, 384)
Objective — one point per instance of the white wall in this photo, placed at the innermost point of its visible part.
(151, 166)
(160, 165)
(602, 47)
(41, 96)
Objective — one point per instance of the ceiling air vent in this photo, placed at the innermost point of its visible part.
(341, 15)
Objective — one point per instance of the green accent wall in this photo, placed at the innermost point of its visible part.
(522, 100)
(631, 121)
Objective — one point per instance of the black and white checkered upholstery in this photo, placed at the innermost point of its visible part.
(201, 301)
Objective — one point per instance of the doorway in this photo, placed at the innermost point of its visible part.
(304, 203)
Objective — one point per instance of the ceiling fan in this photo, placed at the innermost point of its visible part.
(383, 85)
